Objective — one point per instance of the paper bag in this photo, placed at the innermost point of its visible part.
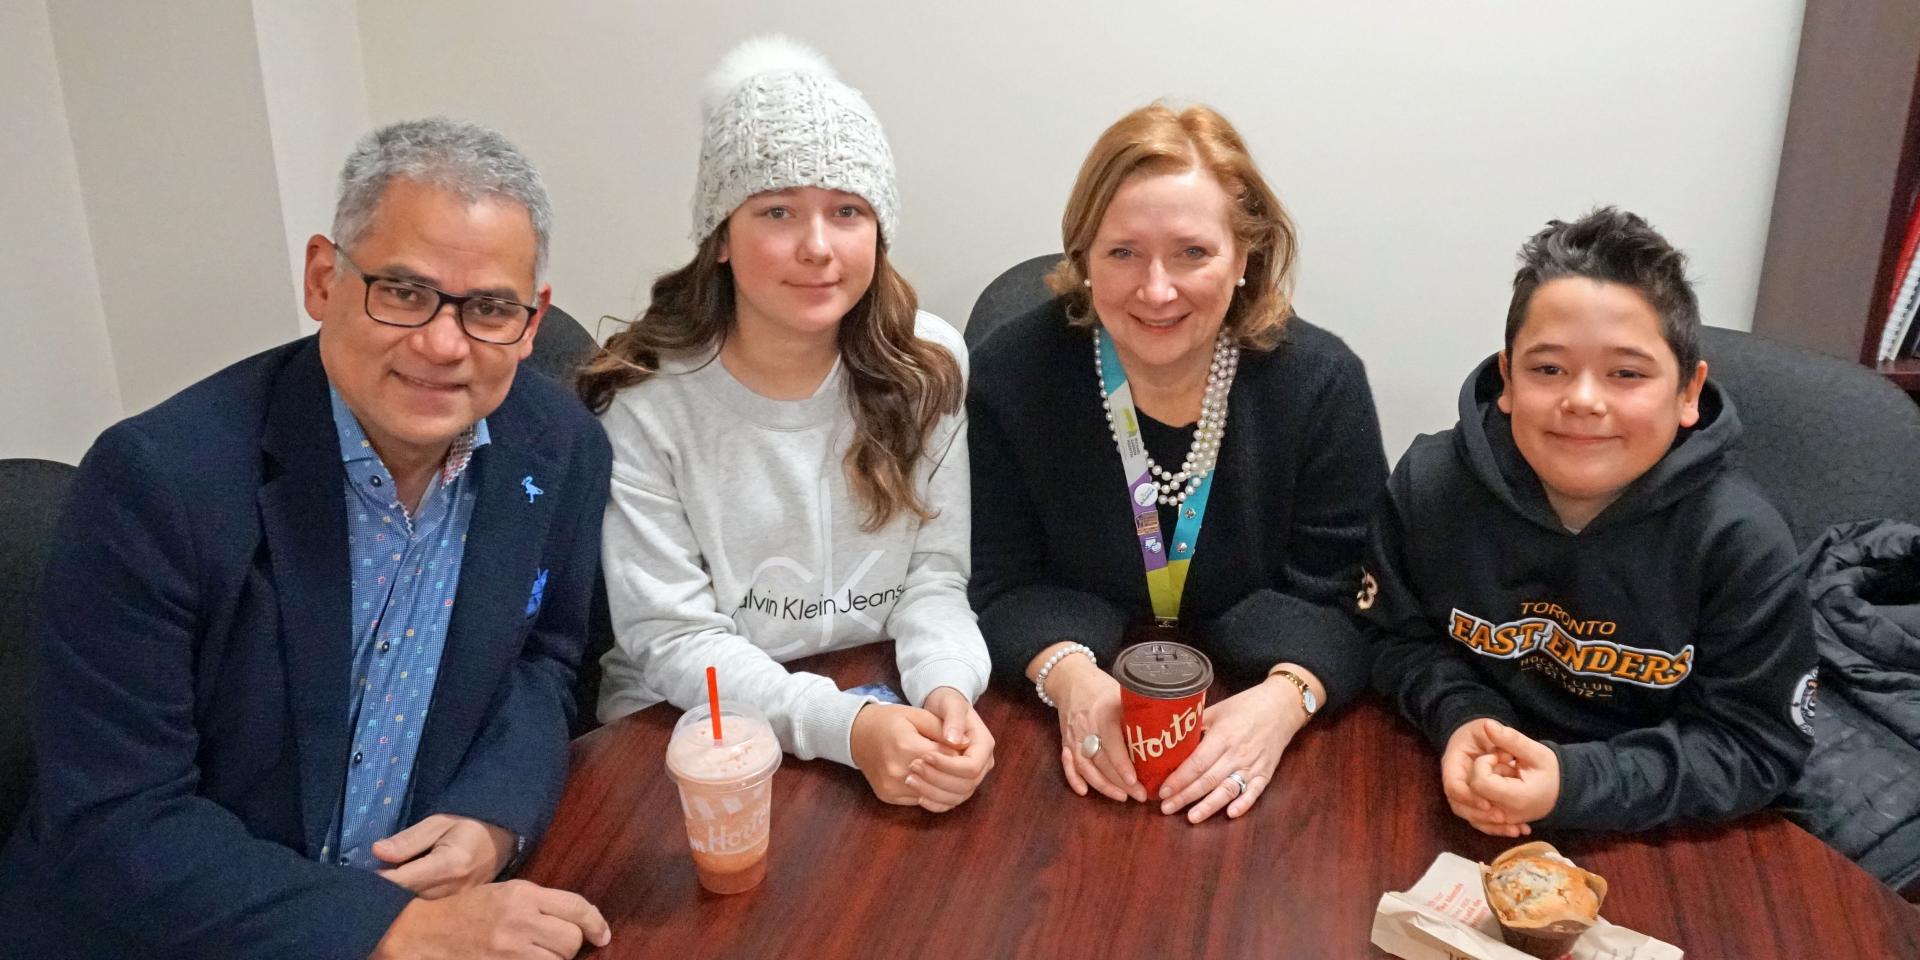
(1445, 917)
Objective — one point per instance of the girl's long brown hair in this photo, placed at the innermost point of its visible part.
(899, 385)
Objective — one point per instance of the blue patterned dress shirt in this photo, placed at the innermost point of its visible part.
(406, 568)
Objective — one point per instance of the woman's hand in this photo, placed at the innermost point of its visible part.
(1088, 701)
(944, 779)
(887, 739)
(1245, 734)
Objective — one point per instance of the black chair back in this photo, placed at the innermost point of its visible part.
(561, 346)
(586, 683)
(31, 494)
(1016, 290)
(1829, 441)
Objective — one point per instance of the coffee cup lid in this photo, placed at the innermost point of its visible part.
(1163, 669)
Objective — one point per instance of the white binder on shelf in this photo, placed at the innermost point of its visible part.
(1906, 303)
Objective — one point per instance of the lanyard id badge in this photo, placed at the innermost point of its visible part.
(1166, 567)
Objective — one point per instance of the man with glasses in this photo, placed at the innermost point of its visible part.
(303, 664)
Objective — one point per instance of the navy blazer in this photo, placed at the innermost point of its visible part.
(192, 653)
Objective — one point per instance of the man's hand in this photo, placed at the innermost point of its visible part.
(445, 854)
(515, 920)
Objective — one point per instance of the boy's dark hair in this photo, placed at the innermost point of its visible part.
(1614, 246)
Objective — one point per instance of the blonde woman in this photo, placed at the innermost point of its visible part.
(1242, 454)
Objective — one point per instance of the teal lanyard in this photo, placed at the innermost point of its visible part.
(1166, 570)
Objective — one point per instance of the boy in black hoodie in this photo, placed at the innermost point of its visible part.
(1584, 602)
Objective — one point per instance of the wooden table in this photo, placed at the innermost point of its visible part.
(1027, 869)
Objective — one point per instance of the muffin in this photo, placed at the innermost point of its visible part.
(1542, 901)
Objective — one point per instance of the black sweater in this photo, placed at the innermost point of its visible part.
(1662, 651)
(1054, 552)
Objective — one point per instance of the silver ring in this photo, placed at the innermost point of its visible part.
(1090, 746)
(1239, 782)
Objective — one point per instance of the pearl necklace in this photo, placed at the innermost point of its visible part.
(1176, 486)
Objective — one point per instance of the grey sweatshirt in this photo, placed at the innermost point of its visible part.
(733, 539)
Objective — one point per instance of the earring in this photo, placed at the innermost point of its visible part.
(1240, 282)
(1088, 283)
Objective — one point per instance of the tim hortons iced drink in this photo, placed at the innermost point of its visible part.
(1163, 691)
(726, 792)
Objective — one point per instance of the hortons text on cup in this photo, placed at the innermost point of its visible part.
(1163, 694)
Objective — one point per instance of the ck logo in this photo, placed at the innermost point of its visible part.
(526, 483)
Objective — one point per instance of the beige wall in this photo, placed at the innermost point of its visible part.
(1417, 142)
(169, 129)
(167, 164)
(316, 97)
(57, 384)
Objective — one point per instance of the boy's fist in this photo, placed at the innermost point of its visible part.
(1498, 779)
(1529, 786)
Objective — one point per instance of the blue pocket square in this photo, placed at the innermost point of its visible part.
(539, 593)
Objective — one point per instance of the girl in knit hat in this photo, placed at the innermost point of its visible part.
(790, 457)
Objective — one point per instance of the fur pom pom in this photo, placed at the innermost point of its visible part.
(755, 56)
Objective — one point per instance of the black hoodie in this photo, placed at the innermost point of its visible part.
(1665, 652)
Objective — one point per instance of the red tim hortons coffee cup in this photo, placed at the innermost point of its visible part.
(1163, 692)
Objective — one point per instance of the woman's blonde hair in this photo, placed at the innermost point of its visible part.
(1154, 140)
(899, 386)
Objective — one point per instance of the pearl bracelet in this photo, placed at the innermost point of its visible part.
(1040, 677)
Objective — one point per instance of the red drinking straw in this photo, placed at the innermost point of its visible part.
(713, 702)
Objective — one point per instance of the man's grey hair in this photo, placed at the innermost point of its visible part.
(459, 157)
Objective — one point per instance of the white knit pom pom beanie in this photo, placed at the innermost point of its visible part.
(777, 117)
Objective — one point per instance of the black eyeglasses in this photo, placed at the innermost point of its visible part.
(406, 303)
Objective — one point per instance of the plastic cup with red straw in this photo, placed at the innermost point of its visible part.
(726, 790)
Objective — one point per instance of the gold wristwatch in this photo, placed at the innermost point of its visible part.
(1308, 702)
